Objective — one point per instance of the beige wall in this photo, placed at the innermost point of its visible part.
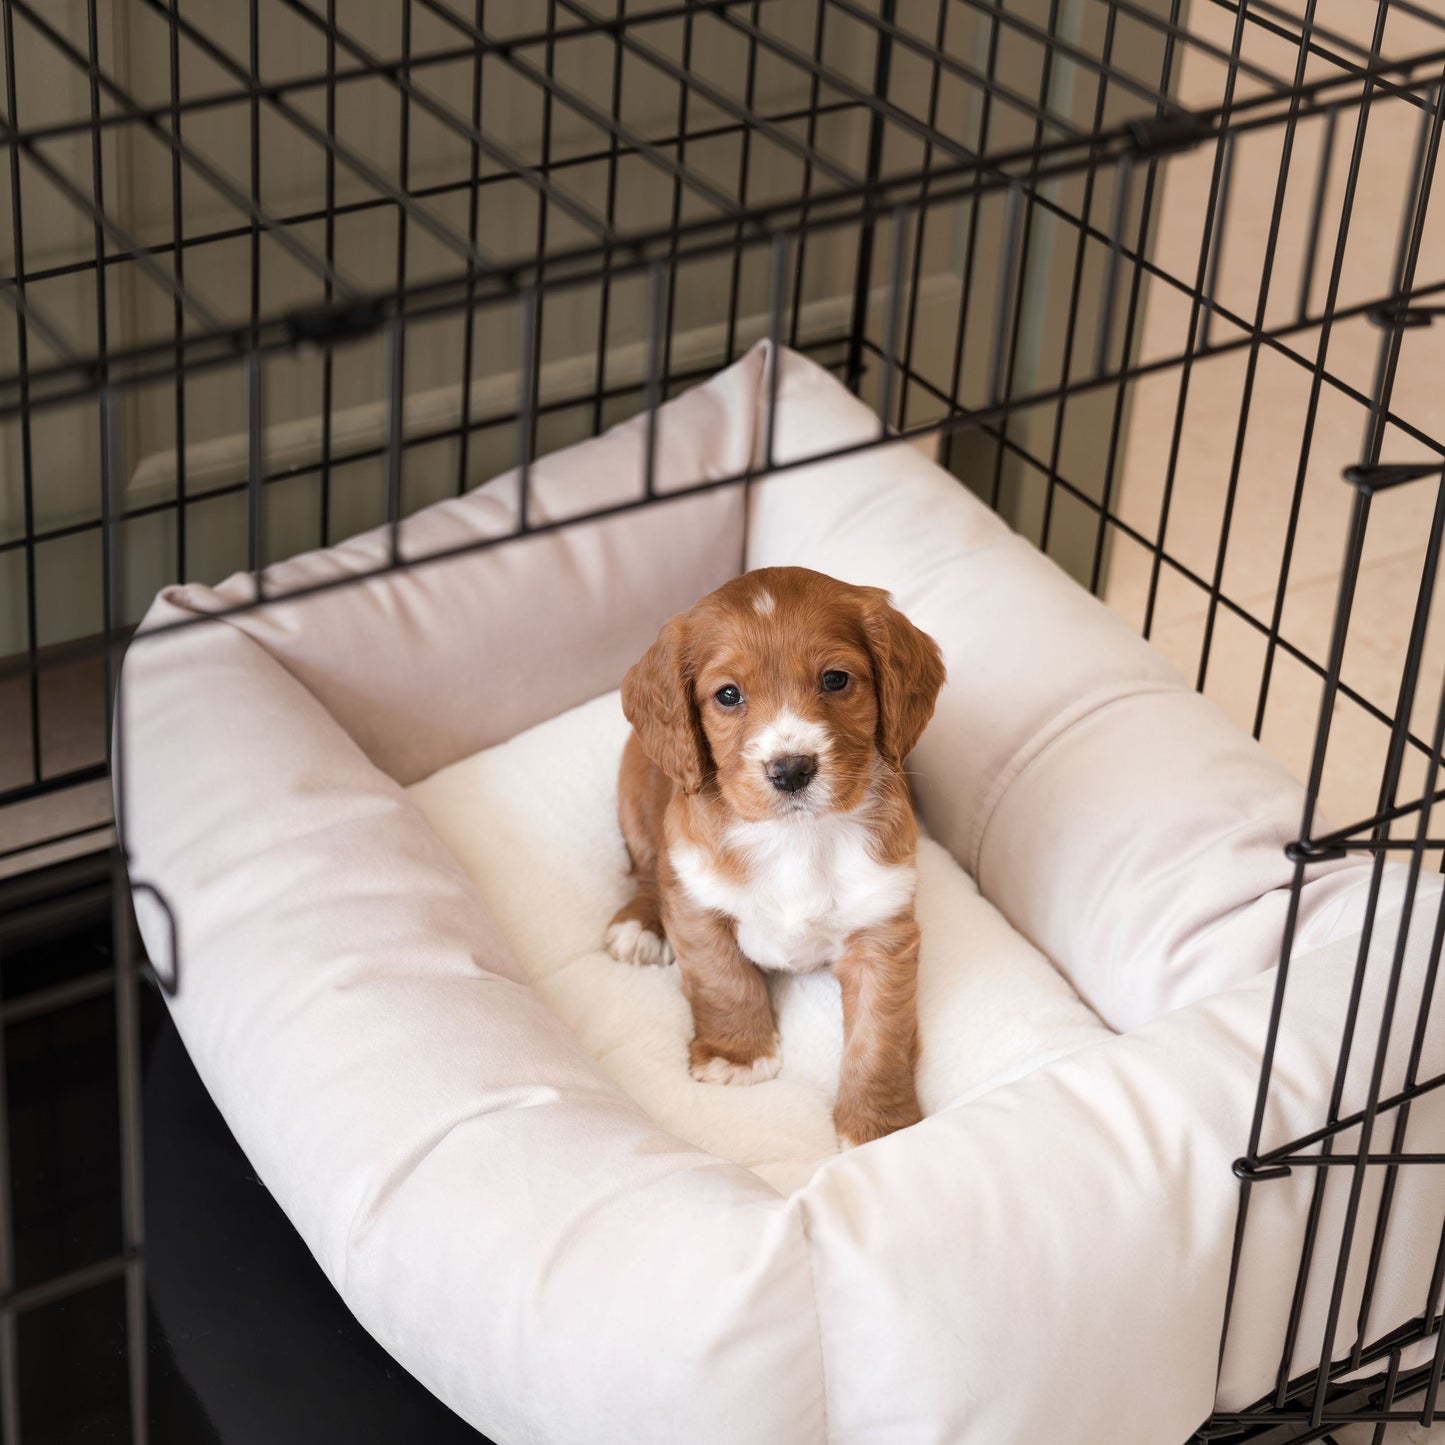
(135, 50)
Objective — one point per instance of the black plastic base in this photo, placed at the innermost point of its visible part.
(247, 1342)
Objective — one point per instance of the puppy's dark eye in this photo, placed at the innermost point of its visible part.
(728, 696)
(835, 681)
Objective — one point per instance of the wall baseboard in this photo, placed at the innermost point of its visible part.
(293, 445)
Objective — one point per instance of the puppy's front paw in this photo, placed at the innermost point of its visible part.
(708, 1067)
(629, 942)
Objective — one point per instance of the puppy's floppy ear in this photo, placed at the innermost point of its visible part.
(908, 673)
(657, 698)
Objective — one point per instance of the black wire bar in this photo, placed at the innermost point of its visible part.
(962, 420)
(906, 167)
(1303, 101)
(1277, 1166)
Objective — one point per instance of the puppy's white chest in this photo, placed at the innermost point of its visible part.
(809, 884)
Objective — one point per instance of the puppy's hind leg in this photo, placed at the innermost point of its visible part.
(636, 934)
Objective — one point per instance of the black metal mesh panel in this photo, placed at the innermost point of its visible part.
(282, 270)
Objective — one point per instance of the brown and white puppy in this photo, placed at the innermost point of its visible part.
(764, 803)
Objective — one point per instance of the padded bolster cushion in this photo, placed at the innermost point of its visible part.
(569, 610)
(1086, 1214)
(1119, 820)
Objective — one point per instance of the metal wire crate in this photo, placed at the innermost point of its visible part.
(283, 270)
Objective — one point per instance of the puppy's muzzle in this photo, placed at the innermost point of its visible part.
(793, 772)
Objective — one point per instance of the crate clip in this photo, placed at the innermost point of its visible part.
(1167, 134)
(1402, 315)
(1383, 475)
(1252, 1171)
(317, 325)
(1307, 850)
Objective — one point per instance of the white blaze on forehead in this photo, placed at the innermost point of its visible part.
(785, 735)
(764, 603)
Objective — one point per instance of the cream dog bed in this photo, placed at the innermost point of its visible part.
(390, 981)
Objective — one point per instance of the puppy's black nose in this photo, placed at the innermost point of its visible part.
(793, 773)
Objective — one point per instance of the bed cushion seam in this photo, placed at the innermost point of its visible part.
(817, 1315)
